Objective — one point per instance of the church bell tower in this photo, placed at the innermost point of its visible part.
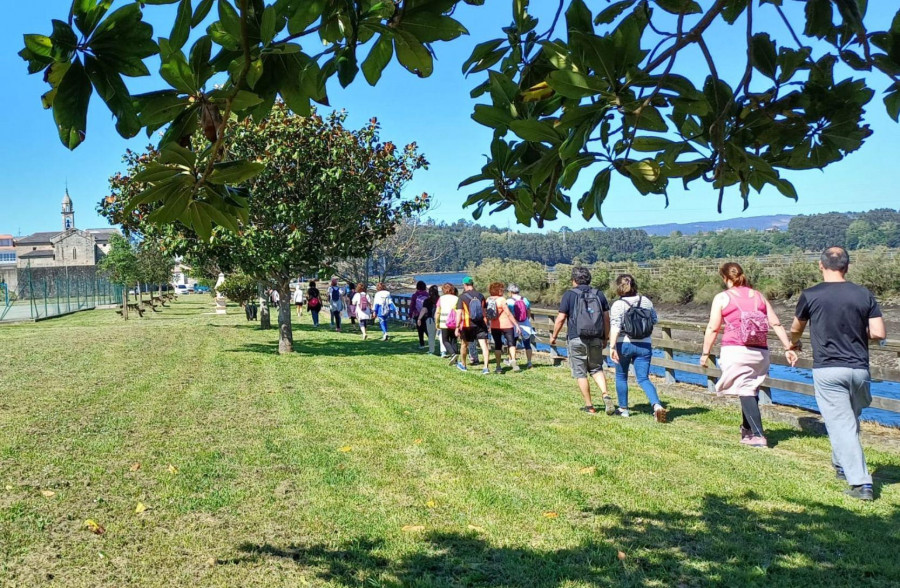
(68, 214)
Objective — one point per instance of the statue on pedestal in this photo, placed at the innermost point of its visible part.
(220, 299)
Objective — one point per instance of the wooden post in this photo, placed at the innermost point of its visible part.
(667, 353)
(710, 380)
(765, 395)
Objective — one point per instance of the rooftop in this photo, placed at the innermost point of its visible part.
(40, 253)
(38, 238)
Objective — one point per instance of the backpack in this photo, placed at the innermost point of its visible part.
(476, 310)
(315, 303)
(588, 319)
(753, 328)
(334, 293)
(492, 312)
(637, 322)
(452, 319)
(363, 302)
(520, 310)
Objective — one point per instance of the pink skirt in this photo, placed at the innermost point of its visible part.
(743, 370)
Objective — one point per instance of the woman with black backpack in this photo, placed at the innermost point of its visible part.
(631, 320)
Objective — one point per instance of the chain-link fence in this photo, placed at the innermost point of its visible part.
(46, 292)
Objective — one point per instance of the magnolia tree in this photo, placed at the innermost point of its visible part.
(121, 266)
(610, 93)
(325, 193)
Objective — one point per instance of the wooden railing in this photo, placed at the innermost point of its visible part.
(665, 338)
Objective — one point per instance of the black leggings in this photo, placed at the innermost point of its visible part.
(336, 318)
(751, 414)
(448, 336)
(423, 331)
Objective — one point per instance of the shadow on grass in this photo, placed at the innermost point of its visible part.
(776, 436)
(722, 543)
(348, 345)
(673, 413)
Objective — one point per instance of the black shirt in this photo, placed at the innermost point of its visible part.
(567, 307)
(839, 314)
(464, 299)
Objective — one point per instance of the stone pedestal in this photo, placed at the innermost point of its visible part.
(220, 299)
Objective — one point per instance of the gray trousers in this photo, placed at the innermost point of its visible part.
(841, 394)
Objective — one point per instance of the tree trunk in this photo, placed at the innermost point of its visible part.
(125, 302)
(264, 321)
(285, 330)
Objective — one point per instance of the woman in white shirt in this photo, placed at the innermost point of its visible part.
(384, 306)
(445, 306)
(297, 299)
(362, 307)
(631, 320)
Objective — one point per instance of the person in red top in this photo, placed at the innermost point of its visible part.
(744, 357)
(504, 326)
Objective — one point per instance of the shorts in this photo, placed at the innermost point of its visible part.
(475, 332)
(527, 342)
(585, 357)
(501, 335)
(365, 323)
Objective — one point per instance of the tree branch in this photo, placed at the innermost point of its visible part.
(692, 36)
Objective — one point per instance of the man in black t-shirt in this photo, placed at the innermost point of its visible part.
(585, 356)
(844, 317)
(472, 329)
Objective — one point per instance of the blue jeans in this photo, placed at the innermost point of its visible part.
(315, 317)
(638, 354)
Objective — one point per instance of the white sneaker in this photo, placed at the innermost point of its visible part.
(384, 338)
(623, 412)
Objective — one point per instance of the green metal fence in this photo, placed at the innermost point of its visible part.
(47, 292)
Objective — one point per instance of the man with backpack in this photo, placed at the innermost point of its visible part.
(584, 311)
(336, 302)
(472, 326)
(520, 307)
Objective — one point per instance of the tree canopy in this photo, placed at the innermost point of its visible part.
(610, 93)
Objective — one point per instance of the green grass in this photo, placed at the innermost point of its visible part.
(264, 496)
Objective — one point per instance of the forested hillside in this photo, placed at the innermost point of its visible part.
(450, 247)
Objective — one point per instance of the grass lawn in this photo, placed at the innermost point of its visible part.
(366, 463)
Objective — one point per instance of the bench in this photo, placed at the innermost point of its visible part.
(135, 307)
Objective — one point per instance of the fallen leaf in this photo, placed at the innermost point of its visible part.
(431, 504)
(141, 507)
(94, 527)
(48, 493)
(345, 449)
(172, 469)
(475, 528)
(211, 561)
(418, 441)
(135, 466)
(413, 528)
(550, 515)
(8, 487)
(588, 470)
(622, 556)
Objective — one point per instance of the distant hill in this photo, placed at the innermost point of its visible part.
(760, 223)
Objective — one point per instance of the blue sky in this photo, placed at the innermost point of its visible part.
(434, 112)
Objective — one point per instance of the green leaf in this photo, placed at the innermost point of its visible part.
(651, 143)
(379, 57)
(71, 104)
(235, 172)
(490, 116)
(679, 6)
(64, 40)
(892, 103)
(123, 40)
(112, 90)
(175, 69)
(199, 61)
(182, 27)
(267, 25)
(762, 50)
(578, 18)
(575, 85)
(158, 108)
(217, 216)
(305, 13)
(733, 10)
(177, 155)
(201, 12)
(536, 131)
(412, 54)
(347, 67)
(592, 202)
(429, 27)
(244, 100)
(819, 18)
(480, 52)
(88, 13)
(608, 15)
(156, 172)
(229, 19)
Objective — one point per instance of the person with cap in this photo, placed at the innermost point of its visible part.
(472, 326)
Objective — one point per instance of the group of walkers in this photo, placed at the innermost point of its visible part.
(843, 319)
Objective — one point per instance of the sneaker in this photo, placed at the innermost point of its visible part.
(384, 338)
(499, 370)
(444, 356)
(623, 412)
(461, 367)
(589, 410)
(839, 473)
(507, 362)
(516, 368)
(608, 403)
(755, 441)
(660, 413)
(487, 372)
(453, 359)
(862, 492)
(745, 433)
(528, 366)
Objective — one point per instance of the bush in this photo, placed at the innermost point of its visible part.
(679, 281)
(239, 288)
(796, 276)
(876, 271)
(706, 292)
(530, 276)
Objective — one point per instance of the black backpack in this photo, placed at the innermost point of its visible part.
(637, 322)
(588, 314)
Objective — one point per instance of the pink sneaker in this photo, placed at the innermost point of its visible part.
(755, 441)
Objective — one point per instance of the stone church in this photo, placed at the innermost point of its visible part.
(69, 252)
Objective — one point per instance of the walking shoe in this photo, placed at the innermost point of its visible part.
(660, 413)
(499, 370)
(623, 412)
(461, 367)
(528, 366)
(444, 356)
(589, 410)
(453, 359)
(516, 368)
(755, 441)
(384, 338)
(862, 492)
(745, 433)
(487, 372)
(608, 402)
(839, 473)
